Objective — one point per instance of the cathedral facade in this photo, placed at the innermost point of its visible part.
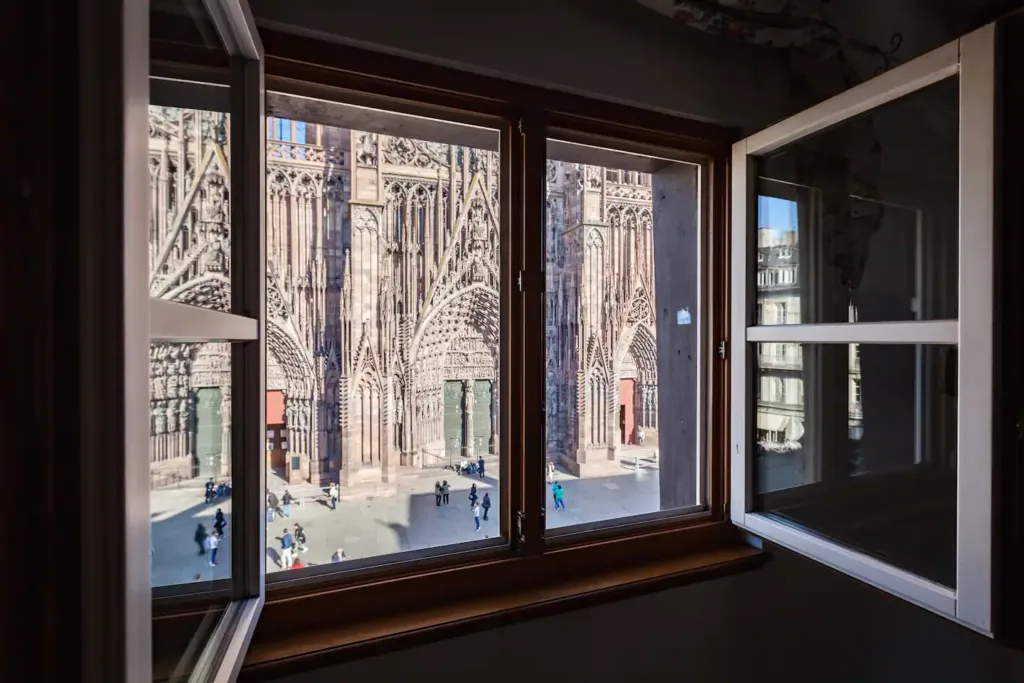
(383, 306)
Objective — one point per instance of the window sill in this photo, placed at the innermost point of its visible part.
(535, 586)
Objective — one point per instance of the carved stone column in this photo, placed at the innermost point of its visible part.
(494, 417)
(467, 421)
(225, 441)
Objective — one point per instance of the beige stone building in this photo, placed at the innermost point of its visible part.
(382, 302)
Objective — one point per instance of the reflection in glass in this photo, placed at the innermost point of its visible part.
(863, 218)
(382, 326)
(190, 219)
(622, 337)
(858, 443)
(190, 458)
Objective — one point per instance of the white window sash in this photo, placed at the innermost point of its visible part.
(174, 322)
(973, 57)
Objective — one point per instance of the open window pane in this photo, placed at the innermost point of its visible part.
(190, 457)
(382, 322)
(623, 335)
(860, 223)
(190, 218)
(859, 443)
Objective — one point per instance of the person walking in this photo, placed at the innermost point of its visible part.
(219, 522)
(445, 488)
(338, 556)
(476, 515)
(286, 504)
(473, 497)
(480, 467)
(332, 491)
(200, 538)
(300, 539)
(287, 549)
(486, 505)
(212, 541)
(640, 436)
(437, 493)
(559, 494)
(271, 505)
(551, 471)
(210, 491)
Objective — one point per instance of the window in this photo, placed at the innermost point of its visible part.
(384, 281)
(624, 444)
(884, 465)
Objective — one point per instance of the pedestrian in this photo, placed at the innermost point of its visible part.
(200, 538)
(219, 522)
(297, 564)
(287, 549)
(210, 491)
(473, 495)
(559, 496)
(445, 488)
(300, 538)
(271, 505)
(333, 493)
(640, 436)
(476, 515)
(486, 504)
(437, 493)
(286, 503)
(212, 541)
(551, 471)
(338, 555)
(480, 467)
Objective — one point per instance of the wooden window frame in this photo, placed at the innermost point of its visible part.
(311, 621)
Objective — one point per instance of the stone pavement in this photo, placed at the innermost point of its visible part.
(381, 522)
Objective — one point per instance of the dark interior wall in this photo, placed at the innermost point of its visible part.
(611, 49)
(792, 621)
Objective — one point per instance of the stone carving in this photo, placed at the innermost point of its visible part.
(367, 149)
(365, 219)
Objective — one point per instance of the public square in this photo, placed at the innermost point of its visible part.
(381, 520)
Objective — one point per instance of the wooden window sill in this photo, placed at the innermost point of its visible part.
(289, 651)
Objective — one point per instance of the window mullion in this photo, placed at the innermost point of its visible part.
(911, 332)
(533, 155)
(248, 298)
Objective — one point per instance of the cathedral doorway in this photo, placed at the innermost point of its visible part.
(277, 432)
(208, 431)
(627, 411)
(468, 413)
(453, 419)
(481, 423)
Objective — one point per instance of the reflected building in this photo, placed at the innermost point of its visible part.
(382, 301)
(781, 406)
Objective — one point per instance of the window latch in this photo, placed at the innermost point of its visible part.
(520, 538)
(723, 350)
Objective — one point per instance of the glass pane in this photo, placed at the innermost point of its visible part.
(861, 222)
(382, 323)
(622, 327)
(190, 217)
(190, 457)
(859, 443)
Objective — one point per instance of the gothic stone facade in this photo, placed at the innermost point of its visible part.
(602, 351)
(382, 301)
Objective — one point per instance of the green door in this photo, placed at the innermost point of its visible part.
(453, 419)
(209, 432)
(481, 417)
